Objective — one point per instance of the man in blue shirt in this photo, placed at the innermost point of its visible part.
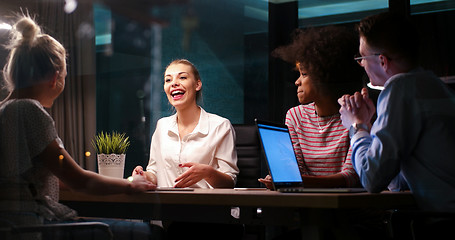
(413, 138)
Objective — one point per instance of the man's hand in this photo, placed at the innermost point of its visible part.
(357, 108)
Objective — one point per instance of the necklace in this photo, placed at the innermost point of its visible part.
(321, 129)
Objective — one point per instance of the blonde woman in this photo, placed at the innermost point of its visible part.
(191, 148)
(32, 156)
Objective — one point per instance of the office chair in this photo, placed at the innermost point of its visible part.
(252, 166)
(249, 158)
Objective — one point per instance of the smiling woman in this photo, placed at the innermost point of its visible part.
(323, 57)
(182, 84)
(192, 148)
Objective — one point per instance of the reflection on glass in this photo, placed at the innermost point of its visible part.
(428, 6)
(312, 9)
(315, 13)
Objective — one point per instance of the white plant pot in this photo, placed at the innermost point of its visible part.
(111, 165)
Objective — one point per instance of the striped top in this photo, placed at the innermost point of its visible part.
(321, 144)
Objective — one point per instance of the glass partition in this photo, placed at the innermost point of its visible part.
(228, 40)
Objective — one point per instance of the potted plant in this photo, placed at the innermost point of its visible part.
(111, 152)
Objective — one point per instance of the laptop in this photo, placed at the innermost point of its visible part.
(282, 162)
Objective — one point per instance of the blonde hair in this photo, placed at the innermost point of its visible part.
(33, 55)
(195, 73)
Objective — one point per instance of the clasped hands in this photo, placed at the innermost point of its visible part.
(140, 183)
(357, 108)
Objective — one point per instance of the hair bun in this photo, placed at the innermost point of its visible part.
(28, 28)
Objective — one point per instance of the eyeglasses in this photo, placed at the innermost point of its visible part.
(359, 59)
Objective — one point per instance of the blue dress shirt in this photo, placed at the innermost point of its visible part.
(414, 135)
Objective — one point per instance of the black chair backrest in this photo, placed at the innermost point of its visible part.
(250, 160)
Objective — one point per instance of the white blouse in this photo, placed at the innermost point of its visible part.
(212, 142)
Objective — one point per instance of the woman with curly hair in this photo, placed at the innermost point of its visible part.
(324, 59)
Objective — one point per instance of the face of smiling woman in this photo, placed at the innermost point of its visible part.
(181, 86)
(306, 91)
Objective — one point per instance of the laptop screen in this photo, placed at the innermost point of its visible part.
(280, 155)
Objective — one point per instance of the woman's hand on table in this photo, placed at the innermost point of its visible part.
(139, 171)
(267, 181)
(195, 173)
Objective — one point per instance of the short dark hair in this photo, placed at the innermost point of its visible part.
(326, 54)
(393, 33)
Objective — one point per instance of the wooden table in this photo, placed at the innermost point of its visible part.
(255, 206)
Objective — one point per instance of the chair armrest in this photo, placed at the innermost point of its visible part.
(62, 226)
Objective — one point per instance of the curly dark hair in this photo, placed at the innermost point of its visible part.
(326, 54)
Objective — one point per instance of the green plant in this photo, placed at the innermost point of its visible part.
(106, 143)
